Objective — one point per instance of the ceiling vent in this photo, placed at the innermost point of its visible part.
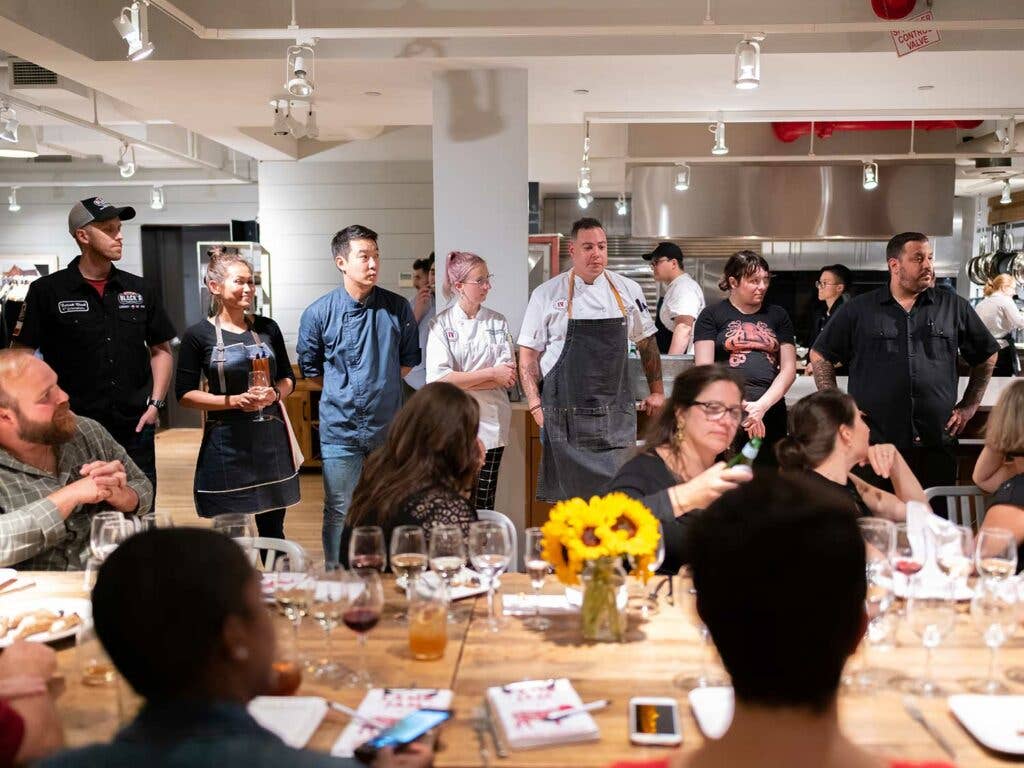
(53, 159)
(39, 84)
(25, 74)
(987, 168)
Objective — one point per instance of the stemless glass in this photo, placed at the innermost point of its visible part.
(155, 519)
(537, 568)
(931, 613)
(994, 611)
(996, 553)
(94, 530)
(447, 553)
(879, 536)
(490, 551)
(259, 385)
(366, 548)
(408, 558)
(366, 601)
(910, 550)
(330, 597)
(703, 678)
(645, 603)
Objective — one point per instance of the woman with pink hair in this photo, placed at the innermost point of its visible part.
(470, 346)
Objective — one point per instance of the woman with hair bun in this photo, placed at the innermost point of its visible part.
(828, 438)
(998, 311)
(243, 465)
(470, 346)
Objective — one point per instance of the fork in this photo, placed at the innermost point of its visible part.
(480, 728)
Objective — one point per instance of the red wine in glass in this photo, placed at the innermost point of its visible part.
(361, 620)
(908, 567)
(373, 561)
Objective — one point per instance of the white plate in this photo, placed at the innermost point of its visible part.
(713, 708)
(293, 718)
(995, 721)
(574, 595)
(56, 604)
(900, 587)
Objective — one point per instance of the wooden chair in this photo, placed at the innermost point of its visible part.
(965, 504)
(513, 537)
(272, 549)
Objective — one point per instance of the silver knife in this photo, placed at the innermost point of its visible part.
(916, 714)
(499, 744)
(480, 728)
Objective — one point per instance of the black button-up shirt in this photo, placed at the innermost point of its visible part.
(902, 365)
(98, 347)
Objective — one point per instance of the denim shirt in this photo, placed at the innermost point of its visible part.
(194, 735)
(359, 349)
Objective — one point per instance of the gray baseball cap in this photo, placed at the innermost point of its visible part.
(96, 209)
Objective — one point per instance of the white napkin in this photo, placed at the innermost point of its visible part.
(713, 709)
(293, 718)
(527, 605)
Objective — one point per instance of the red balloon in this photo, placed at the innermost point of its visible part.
(891, 10)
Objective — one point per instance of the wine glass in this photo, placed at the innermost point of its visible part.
(878, 600)
(645, 604)
(910, 550)
(879, 536)
(447, 553)
(259, 383)
(330, 597)
(408, 557)
(702, 679)
(537, 567)
(954, 551)
(490, 551)
(241, 528)
(155, 519)
(366, 548)
(931, 614)
(94, 530)
(366, 601)
(110, 536)
(293, 591)
(996, 553)
(994, 611)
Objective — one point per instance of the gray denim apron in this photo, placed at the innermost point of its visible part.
(589, 411)
(243, 465)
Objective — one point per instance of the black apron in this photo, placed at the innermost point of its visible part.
(244, 465)
(589, 410)
(1007, 362)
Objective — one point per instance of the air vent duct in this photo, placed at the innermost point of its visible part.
(25, 74)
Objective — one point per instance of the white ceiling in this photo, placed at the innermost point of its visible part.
(220, 88)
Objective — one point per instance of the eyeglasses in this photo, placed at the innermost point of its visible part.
(823, 284)
(715, 410)
(481, 281)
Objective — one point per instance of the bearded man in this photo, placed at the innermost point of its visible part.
(56, 471)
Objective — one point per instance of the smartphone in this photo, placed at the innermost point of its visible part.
(654, 721)
(406, 730)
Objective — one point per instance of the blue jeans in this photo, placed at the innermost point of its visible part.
(340, 476)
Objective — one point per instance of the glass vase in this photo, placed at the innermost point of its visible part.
(603, 619)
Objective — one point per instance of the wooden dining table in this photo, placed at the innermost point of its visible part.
(657, 649)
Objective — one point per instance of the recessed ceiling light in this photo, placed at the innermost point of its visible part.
(926, 87)
(372, 93)
(581, 91)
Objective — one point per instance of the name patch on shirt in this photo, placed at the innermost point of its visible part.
(561, 304)
(130, 300)
(67, 307)
(451, 334)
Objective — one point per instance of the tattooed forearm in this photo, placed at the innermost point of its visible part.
(529, 373)
(824, 372)
(650, 359)
(977, 383)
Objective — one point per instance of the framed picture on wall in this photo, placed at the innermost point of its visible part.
(17, 272)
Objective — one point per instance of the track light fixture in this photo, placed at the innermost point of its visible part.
(748, 62)
(298, 70)
(584, 200)
(312, 132)
(583, 186)
(1005, 198)
(870, 175)
(295, 128)
(126, 164)
(719, 130)
(12, 201)
(682, 177)
(133, 25)
(621, 206)
(8, 123)
(280, 123)
(156, 198)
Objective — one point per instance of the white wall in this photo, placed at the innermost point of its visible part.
(41, 226)
(303, 204)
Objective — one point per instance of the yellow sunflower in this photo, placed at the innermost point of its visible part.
(633, 522)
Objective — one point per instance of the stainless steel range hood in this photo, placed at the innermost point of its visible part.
(793, 201)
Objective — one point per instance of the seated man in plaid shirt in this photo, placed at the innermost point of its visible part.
(56, 470)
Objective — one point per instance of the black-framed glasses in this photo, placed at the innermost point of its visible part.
(823, 284)
(482, 281)
(715, 410)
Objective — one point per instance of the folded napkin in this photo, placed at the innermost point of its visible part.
(293, 718)
(521, 710)
(527, 605)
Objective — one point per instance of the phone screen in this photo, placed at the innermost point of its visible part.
(654, 719)
(409, 728)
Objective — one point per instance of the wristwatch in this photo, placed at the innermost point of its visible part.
(158, 403)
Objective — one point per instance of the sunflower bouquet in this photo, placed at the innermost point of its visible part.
(588, 541)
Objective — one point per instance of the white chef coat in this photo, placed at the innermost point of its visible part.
(460, 343)
(416, 378)
(547, 321)
(682, 297)
(1000, 315)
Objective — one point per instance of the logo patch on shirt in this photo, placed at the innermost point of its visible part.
(130, 300)
(67, 307)
(451, 334)
(561, 304)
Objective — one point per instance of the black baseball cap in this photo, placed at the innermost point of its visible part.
(92, 209)
(667, 250)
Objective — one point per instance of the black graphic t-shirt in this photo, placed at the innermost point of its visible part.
(749, 343)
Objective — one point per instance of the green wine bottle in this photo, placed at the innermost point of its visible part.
(746, 456)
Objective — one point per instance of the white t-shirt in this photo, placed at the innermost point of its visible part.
(682, 297)
(1000, 315)
(460, 343)
(416, 378)
(547, 321)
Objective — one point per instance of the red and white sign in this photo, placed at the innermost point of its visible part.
(909, 41)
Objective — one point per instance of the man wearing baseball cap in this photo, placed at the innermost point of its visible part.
(104, 331)
(680, 305)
